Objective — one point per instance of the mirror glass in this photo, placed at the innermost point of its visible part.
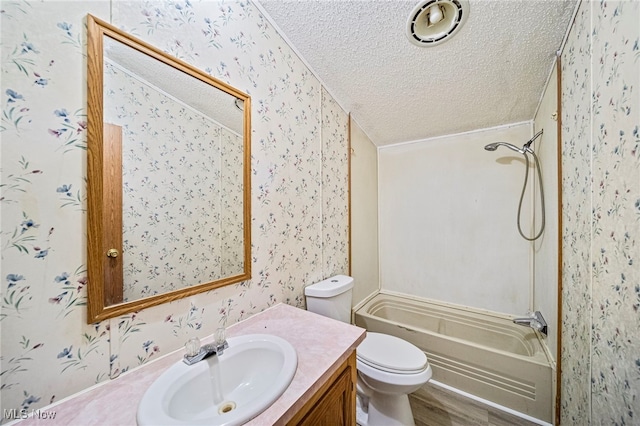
(168, 177)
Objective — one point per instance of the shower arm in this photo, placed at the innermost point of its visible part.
(527, 146)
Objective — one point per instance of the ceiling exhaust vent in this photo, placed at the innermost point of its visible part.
(434, 21)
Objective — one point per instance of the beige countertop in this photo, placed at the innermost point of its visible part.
(321, 343)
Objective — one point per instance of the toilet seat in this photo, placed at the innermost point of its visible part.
(391, 354)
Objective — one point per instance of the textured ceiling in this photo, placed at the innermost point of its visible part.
(208, 100)
(492, 72)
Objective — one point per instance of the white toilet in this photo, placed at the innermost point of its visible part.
(389, 368)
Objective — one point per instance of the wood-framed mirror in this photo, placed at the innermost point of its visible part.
(168, 176)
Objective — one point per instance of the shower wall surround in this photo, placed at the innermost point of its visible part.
(448, 213)
(299, 193)
(601, 216)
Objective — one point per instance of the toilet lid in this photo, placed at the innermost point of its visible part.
(391, 353)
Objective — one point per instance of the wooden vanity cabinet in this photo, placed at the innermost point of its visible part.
(334, 403)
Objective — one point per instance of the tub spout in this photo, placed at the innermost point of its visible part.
(535, 321)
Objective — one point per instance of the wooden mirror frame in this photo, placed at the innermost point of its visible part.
(104, 182)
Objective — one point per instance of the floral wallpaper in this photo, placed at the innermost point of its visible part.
(601, 215)
(299, 188)
(231, 201)
(615, 364)
(576, 222)
(335, 184)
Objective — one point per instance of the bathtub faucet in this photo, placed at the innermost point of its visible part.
(535, 321)
(196, 353)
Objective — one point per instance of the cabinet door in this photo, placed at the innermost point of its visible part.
(333, 407)
(335, 402)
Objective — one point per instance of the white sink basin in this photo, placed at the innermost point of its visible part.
(226, 390)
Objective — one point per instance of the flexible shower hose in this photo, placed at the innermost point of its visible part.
(524, 186)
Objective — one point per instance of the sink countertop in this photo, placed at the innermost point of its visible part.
(321, 343)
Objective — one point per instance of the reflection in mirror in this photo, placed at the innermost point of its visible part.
(181, 180)
(168, 177)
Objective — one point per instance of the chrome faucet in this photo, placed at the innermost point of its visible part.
(196, 353)
(535, 320)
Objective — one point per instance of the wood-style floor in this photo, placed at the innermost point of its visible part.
(435, 406)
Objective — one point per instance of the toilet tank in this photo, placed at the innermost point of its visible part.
(331, 297)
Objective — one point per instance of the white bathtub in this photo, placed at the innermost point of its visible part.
(483, 354)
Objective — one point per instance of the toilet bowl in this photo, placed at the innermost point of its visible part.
(389, 368)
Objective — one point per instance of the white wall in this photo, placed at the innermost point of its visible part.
(546, 247)
(448, 220)
(364, 215)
